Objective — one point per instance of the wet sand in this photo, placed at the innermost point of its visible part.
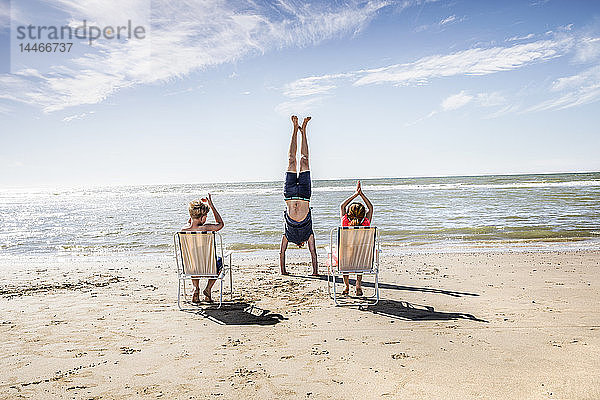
(452, 326)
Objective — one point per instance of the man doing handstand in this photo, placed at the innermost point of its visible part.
(297, 191)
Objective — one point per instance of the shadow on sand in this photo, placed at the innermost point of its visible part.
(239, 313)
(392, 286)
(414, 312)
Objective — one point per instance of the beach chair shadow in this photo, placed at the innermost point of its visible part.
(415, 312)
(394, 286)
(240, 313)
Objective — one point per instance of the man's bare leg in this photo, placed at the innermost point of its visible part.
(282, 249)
(313, 254)
(293, 146)
(292, 167)
(304, 165)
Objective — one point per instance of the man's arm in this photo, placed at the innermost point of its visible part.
(282, 249)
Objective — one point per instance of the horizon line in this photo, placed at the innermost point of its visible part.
(100, 185)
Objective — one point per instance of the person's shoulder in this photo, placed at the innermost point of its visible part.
(345, 220)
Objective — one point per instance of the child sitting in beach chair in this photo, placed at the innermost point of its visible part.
(355, 214)
(198, 213)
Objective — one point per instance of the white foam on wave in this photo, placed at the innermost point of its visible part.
(450, 186)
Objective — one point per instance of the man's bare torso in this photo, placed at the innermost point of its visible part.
(297, 209)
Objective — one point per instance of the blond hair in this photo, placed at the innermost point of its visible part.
(198, 209)
(356, 214)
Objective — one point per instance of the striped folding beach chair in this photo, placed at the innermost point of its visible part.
(196, 256)
(353, 250)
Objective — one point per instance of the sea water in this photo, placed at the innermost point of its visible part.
(554, 211)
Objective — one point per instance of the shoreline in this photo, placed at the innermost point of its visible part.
(293, 252)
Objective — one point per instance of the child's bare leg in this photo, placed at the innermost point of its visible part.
(304, 165)
(346, 282)
(196, 294)
(358, 281)
(293, 147)
(208, 290)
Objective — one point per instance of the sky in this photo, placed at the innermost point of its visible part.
(395, 89)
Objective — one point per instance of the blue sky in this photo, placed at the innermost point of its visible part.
(395, 88)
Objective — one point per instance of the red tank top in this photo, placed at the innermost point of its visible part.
(346, 221)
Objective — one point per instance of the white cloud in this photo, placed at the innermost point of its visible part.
(456, 101)
(587, 49)
(448, 20)
(507, 109)
(517, 38)
(492, 99)
(299, 106)
(461, 99)
(478, 61)
(185, 37)
(576, 90)
(314, 85)
(77, 116)
(577, 81)
(582, 88)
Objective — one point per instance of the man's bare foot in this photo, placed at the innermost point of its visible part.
(207, 296)
(284, 272)
(295, 122)
(304, 123)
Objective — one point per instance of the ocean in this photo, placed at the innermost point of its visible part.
(466, 213)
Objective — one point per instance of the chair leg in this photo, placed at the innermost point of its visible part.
(230, 279)
(179, 293)
(221, 293)
(376, 287)
(334, 291)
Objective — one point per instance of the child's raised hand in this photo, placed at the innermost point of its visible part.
(358, 188)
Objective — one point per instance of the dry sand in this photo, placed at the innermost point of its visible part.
(451, 326)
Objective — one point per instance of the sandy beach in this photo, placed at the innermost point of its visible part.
(456, 326)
